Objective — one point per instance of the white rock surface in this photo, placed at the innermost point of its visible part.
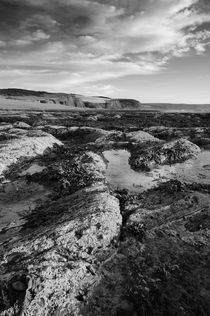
(24, 144)
(22, 125)
(140, 137)
(61, 256)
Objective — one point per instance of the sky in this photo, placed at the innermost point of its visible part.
(150, 50)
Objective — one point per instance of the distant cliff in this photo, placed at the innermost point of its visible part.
(70, 100)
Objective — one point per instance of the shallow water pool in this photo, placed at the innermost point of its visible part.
(17, 199)
(120, 175)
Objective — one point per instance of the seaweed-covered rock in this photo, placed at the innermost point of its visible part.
(59, 258)
(54, 263)
(161, 266)
(165, 133)
(141, 137)
(22, 125)
(168, 153)
(86, 135)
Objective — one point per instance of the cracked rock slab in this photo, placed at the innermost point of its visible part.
(54, 263)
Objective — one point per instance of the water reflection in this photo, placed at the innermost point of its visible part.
(120, 175)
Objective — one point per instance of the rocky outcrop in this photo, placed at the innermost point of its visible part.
(141, 137)
(158, 263)
(168, 153)
(100, 137)
(22, 125)
(197, 135)
(19, 143)
(165, 133)
(77, 248)
(55, 264)
(56, 267)
(83, 135)
(161, 240)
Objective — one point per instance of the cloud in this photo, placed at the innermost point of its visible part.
(2, 44)
(78, 42)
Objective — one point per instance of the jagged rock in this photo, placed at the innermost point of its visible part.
(168, 153)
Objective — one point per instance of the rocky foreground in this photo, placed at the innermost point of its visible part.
(80, 248)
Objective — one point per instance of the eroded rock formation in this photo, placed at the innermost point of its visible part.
(54, 263)
(168, 153)
(19, 143)
(83, 249)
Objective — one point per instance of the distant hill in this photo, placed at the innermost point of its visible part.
(41, 100)
(68, 100)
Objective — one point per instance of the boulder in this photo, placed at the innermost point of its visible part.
(168, 153)
(24, 144)
(141, 137)
(55, 264)
(22, 125)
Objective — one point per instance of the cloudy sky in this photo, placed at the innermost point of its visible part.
(151, 50)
